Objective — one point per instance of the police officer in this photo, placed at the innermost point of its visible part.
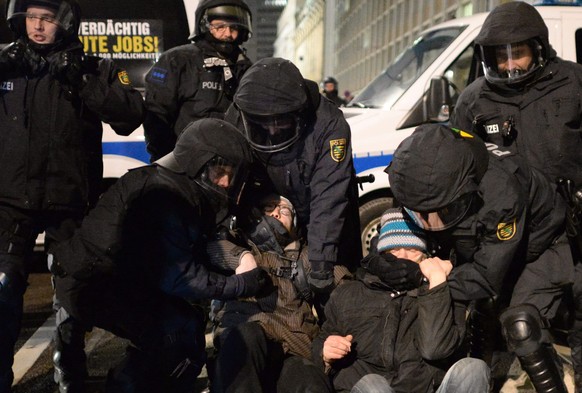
(139, 258)
(503, 224)
(330, 91)
(529, 103)
(303, 148)
(197, 80)
(54, 100)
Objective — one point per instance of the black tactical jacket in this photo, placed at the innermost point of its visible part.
(50, 144)
(188, 83)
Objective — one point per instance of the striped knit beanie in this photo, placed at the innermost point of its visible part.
(398, 231)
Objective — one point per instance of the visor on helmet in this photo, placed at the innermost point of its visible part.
(270, 134)
(224, 178)
(63, 14)
(445, 217)
(511, 63)
(237, 17)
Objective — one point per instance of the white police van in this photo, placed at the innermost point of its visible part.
(419, 87)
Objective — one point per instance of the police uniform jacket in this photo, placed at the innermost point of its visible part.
(50, 144)
(411, 339)
(545, 118)
(519, 218)
(188, 83)
(317, 175)
(145, 241)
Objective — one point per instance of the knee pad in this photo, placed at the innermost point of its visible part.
(522, 327)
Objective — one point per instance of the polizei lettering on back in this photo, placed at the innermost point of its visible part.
(493, 148)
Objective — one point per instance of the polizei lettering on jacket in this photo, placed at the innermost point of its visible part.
(211, 86)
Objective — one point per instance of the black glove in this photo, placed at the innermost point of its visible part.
(253, 282)
(67, 68)
(320, 278)
(12, 57)
(399, 274)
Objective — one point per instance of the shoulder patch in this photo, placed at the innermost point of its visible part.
(506, 230)
(338, 149)
(158, 75)
(123, 77)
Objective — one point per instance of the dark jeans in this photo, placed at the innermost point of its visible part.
(468, 375)
(249, 362)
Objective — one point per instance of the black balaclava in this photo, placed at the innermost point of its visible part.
(235, 11)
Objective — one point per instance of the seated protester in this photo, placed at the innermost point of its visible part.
(376, 339)
(139, 258)
(264, 343)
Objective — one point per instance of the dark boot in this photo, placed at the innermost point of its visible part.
(69, 357)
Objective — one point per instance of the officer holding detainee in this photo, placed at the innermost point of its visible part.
(140, 258)
(302, 145)
(54, 99)
(503, 225)
(529, 103)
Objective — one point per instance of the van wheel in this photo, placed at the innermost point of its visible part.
(370, 214)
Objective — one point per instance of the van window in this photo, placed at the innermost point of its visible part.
(132, 32)
(383, 91)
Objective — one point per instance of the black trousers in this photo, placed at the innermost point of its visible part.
(248, 361)
(18, 231)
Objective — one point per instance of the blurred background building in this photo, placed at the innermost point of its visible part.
(354, 40)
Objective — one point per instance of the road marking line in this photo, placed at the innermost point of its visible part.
(33, 348)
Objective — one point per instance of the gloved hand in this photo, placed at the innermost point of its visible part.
(320, 279)
(253, 282)
(12, 57)
(399, 274)
(67, 68)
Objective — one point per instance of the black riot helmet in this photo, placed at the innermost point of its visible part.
(67, 16)
(331, 79)
(511, 31)
(272, 97)
(236, 12)
(215, 155)
(435, 174)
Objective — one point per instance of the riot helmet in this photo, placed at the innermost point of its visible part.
(513, 44)
(435, 174)
(215, 156)
(272, 98)
(331, 79)
(67, 16)
(236, 12)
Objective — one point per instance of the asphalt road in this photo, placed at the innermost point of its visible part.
(33, 364)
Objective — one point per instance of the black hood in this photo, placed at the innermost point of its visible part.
(514, 22)
(272, 86)
(435, 166)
